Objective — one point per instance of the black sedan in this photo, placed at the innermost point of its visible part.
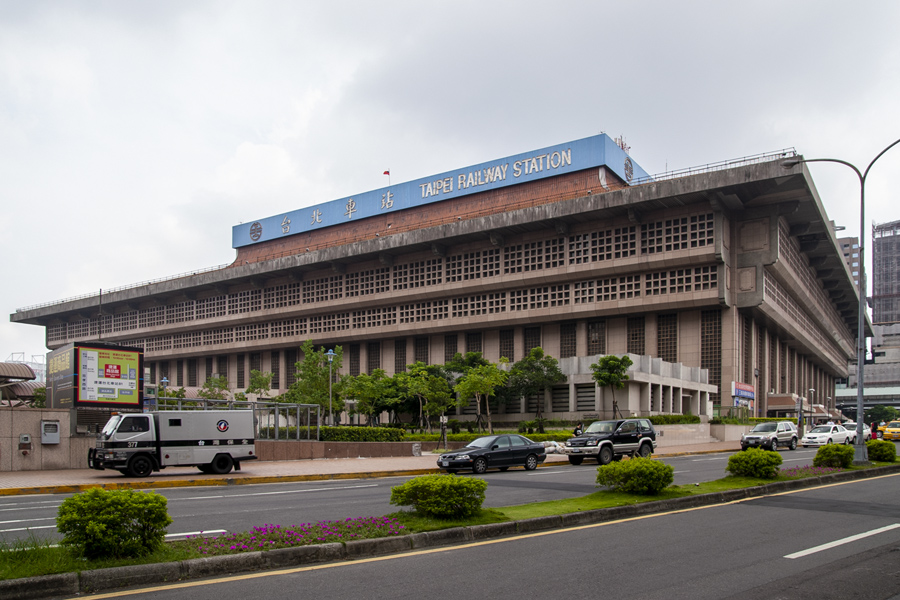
(494, 452)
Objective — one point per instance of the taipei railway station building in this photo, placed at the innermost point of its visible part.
(725, 284)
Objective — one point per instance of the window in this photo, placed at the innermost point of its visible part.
(532, 338)
(421, 350)
(373, 358)
(567, 340)
(450, 347)
(473, 342)
(174, 422)
(596, 337)
(276, 370)
(399, 356)
(667, 337)
(507, 344)
(354, 359)
(635, 344)
(241, 383)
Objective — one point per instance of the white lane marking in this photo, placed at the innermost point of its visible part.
(26, 508)
(324, 489)
(705, 459)
(168, 535)
(32, 503)
(546, 472)
(843, 541)
(28, 528)
(27, 520)
(677, 472)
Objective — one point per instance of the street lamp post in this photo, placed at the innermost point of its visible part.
(330, 355)
(860, 454)
(163, 382)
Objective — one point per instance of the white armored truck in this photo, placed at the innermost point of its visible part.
(136, 444)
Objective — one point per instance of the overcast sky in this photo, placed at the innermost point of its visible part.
(134, 135)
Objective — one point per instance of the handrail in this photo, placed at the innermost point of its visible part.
(668, 175)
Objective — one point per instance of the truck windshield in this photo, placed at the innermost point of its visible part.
(110, 427)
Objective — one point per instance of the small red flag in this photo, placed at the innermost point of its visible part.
(387, 172)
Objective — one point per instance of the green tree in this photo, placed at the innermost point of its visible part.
(881, 413)
(610, 371)
(40, 398)
(532, 375)
(214, 388)
(430, 388)
(260, 384)
(311, 386)
(373, 393)
(481, 382)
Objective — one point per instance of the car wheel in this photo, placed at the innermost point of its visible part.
(793, 445)
(645, 451)
(774, 445)
(829, 441)
(140, 466)
(846, 441)
(576, 460)
(531, 462)
(605, 456)
(504, 468)
(479, 466)
(221, 464)
(744, 447)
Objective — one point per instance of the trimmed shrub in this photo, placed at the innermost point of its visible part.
(754, 462)
(441, 496)
(882, 450)
(674, 419)
(834, 455)
(102, 523)
(636, 476)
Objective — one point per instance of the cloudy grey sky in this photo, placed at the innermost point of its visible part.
(133, 136)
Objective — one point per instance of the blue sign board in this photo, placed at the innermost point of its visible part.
(587, 153)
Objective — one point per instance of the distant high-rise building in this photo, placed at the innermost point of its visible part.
(886, 273)
(850, 250)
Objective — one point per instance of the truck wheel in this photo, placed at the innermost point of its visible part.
(221, 464)
(576, 460)
(140, 466)
(605, 456)
(645, 451)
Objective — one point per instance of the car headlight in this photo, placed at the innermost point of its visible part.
(462, 457)
(568, 443)
(592, 442)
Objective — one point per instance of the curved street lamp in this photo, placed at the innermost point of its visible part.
(860, 454)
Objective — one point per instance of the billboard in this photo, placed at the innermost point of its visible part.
(98, 375)
(588, 153)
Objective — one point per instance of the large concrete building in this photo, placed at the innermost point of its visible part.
(726, 284)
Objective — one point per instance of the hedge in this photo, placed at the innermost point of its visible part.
(441, 496)
(636, 476)
(754, 462)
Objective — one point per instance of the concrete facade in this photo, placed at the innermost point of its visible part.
(733, 271)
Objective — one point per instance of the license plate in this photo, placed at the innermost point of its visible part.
(575, 451)
(444, 463)
(753, 442)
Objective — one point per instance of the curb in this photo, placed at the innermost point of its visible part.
(252, 480)
(68, 584)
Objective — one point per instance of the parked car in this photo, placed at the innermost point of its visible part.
(822, 435)
(892, 431)
(494, 452)
(851, 427)
(611, 440)
(771, 435)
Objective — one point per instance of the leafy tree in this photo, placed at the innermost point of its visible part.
(40, 398)
(881, 413)
(427, 384)
(373, 393)
(260, 383)
(311, 386)
(214, 388)
(482, 382)
(532, 375)
(610, 371)
(461, 364)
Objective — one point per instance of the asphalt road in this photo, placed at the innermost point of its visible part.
(240, 508)
(837, 541)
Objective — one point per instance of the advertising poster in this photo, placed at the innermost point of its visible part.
(109, 376)
(61, 377)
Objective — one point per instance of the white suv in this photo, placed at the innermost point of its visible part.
(771, 435)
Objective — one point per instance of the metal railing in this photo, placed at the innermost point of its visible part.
(270, 419)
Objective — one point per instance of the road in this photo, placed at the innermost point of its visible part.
(837, 541)
(239, 508)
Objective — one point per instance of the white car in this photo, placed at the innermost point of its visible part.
(826, 434)
(851, 427)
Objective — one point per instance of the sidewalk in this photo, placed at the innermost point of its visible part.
(14, 483)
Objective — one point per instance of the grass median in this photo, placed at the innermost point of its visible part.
(35, 556)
